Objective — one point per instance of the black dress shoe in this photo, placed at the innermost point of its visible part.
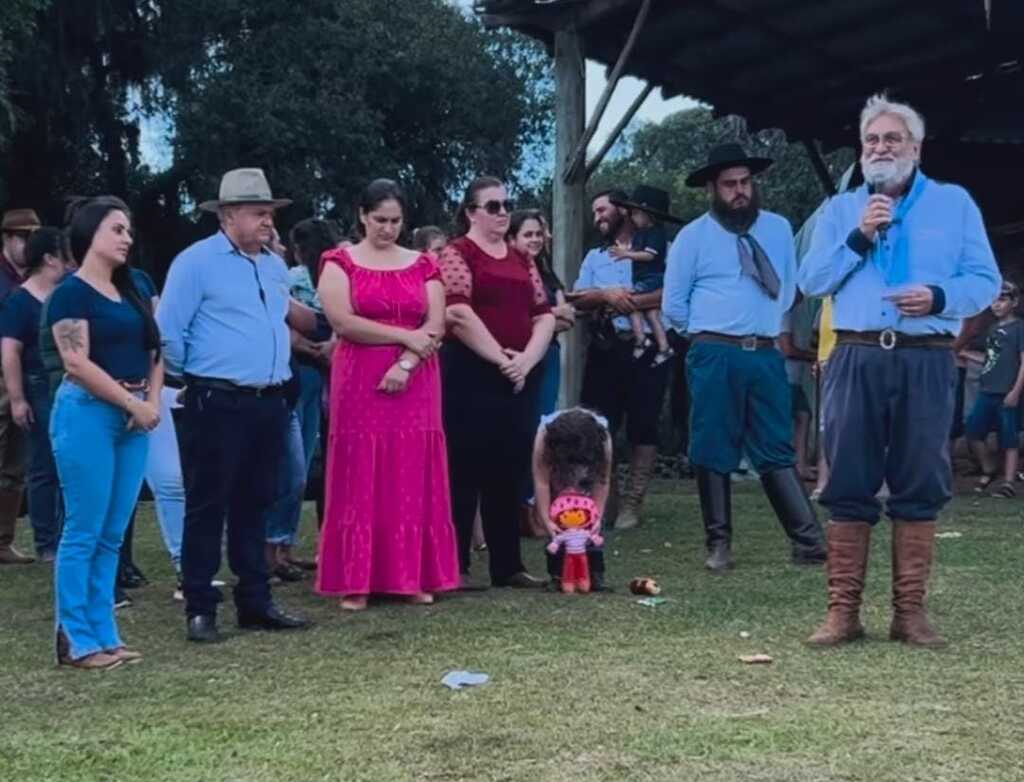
(273, 619)
(203, 629)
(289, 573)
(719, 558)
(809, 556)
(522, 580)
(597, 583)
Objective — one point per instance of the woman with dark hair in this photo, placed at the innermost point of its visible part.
(108, 401)
(388, 526)
(501, 324)
(47, 263)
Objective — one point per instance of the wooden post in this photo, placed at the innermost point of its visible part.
(568, 207)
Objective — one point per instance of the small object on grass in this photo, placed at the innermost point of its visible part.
(644, 586)
(457, 680)
(756, 659)
(652, 602)
(744, 634)
(949, 534)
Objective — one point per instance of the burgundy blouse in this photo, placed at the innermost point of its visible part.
(506, 293)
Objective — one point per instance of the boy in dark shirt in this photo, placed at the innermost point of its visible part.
(1001, 383)
(647, 252)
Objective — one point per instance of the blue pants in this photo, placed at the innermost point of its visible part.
(887, 417)
(990, 413)
(311, 385)
(285, 511)
(100, 464)
(45, 509)
(741, 403)
(547, 397)
(164, 478)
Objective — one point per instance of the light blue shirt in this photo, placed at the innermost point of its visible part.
(948, 248)
(222, 314)
(600, 270)
(706, 290)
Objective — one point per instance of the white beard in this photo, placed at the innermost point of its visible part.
(887, 173)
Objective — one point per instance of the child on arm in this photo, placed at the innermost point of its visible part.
(1001, 384)
(572, 455)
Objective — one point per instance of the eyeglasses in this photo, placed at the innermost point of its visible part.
(890, 140)
(494, 207)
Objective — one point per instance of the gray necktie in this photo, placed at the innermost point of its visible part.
(755, 264)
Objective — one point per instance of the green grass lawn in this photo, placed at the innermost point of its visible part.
(582, 687)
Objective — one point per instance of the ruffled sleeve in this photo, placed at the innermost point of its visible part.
(457, 276)
(540, 305)
(430, 267)
(338, 256)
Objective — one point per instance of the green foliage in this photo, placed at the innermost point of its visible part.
(665, 153)
(17, 19)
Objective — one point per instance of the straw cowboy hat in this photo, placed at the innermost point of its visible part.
(726, 156)
(20, 220)
(244, 186)
(652, 200)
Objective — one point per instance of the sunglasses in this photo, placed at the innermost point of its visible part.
(494, 207)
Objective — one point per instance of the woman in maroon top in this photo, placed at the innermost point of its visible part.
(500, 325)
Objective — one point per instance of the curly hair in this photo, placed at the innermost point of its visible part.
(574, 451)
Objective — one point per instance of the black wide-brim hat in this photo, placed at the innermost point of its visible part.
(652, 200)
(726, 156)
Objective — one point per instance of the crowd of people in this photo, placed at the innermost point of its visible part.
(428, 377)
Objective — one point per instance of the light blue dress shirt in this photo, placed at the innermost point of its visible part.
(222, 314)
(947, 246)
(706, 290)
(600, 270)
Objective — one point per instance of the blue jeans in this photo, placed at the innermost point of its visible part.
(311, 384)
(43, 489)
(163, 476)
(285, 511)
(100, 463)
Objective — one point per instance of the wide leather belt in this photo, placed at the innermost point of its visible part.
(226, 385)
(893, 340)
(752, 342)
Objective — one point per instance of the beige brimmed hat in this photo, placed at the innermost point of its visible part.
(244, 186)
(20, 220)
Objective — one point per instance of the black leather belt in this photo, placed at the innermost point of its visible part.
(752, 342)
(230, 387)
(892, 340)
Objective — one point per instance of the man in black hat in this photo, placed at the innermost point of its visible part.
(731, 277)
(614, 383)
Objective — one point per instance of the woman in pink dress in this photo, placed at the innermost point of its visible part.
(387, 525)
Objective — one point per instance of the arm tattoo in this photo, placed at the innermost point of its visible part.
(70, 335)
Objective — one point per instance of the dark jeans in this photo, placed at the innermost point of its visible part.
(231, 449)
(887, 418)
(45, 507)
(490, 434)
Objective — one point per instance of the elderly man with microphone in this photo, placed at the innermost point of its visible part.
(905, 258)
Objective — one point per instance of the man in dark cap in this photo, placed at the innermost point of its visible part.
(731, 277)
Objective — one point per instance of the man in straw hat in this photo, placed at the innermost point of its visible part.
(731, 277)
(16, 227)
(904, 258)
(223, 322)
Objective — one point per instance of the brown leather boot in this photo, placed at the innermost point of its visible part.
(913, 543)
(10, 505)
(848, 545)
(641, 467)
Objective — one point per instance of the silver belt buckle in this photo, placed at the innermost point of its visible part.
(749, 343)
(887, 339)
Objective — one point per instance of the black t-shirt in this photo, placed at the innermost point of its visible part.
(19, 319)
(650, 240)
(1003, 347)
(116, 328)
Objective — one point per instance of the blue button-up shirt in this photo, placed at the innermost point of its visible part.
(706, 290)
(600, 270)
(948, 248)
(222, 314)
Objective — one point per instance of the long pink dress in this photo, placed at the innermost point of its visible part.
(388, 522)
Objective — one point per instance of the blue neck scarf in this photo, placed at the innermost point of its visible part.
(892, 252)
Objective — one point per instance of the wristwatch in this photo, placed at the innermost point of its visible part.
(406, 364)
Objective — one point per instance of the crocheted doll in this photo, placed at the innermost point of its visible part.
(578, 521)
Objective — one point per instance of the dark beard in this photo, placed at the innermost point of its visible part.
(614, 226)
(737, 221)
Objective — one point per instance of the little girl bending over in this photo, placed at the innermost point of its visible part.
(572, 455)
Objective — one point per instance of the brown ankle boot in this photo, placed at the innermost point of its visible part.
(848, 545)
(912, 547)
(10, 505)
(641, 467)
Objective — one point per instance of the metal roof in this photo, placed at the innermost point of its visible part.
(806, 66)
